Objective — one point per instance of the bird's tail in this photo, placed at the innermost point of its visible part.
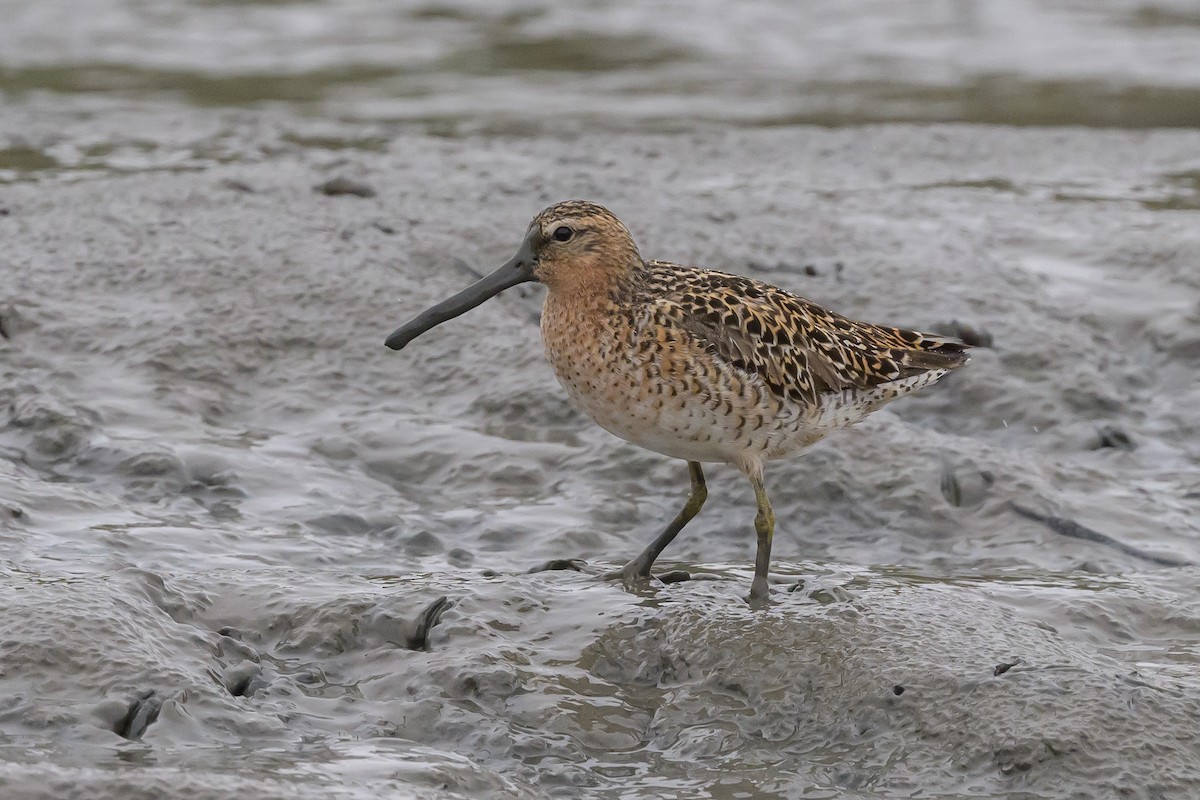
(915, 352)
(933, 351)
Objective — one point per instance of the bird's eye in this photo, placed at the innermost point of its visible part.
(562, 233)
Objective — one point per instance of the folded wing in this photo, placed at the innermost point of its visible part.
(799, 349)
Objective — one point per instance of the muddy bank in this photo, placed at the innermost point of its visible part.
(228, 510)
(872, 681)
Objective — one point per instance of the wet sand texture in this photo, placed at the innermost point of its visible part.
(228, 514)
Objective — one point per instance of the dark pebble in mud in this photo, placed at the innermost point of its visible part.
(12, 322)
(574, 564)
(237, 186)
(675, 576)
(1005, 666)
(142, 713)
(342, 185)
(423, 543)
(1114, 437)
(458, 557)
(897, 690)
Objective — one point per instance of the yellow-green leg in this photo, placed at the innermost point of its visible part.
(764, 526)
(640, 566)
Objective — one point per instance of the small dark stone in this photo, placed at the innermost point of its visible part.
(237, 186)
(897, 690)
(423, 543)
(4, 211)
(675, 576)
(1112, 436)
(1005, 666)
(383, 227)
(17, 513)
(3, 330)
(460, 557)
(342, 185)
(811, 270)
(574, 564)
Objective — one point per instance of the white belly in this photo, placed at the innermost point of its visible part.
(675, 429)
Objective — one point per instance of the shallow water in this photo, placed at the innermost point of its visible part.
(464, 65)
(247, 550)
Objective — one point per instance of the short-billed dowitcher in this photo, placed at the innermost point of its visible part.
(696, 364)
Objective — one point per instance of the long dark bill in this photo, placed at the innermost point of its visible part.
(518, 269)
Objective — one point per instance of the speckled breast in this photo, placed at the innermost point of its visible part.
(659, 389)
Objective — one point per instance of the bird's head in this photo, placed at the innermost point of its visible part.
(576, 247)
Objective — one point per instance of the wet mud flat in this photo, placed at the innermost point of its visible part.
(248, 550)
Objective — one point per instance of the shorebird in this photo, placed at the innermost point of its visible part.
(697, 364)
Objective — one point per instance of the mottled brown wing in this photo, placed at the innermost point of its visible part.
(798, 348)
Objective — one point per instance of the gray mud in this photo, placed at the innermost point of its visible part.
(228, 514)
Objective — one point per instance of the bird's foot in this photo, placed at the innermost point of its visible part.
(635, 574)
(760, 594)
